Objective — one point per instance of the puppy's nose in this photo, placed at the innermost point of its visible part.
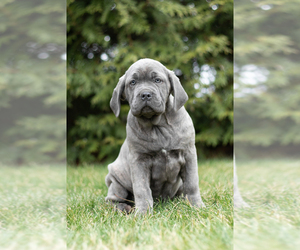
(146, 96)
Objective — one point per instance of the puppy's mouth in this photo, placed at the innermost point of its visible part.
(147, 112)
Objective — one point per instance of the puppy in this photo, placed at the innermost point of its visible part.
(158, 157)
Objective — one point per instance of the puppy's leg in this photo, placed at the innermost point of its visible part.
(190, 178)
(117, 195)
(140, 175)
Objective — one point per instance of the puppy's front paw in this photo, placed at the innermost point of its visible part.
(143, 211)
(195, 200)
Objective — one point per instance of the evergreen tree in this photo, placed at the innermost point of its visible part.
(193, 38)
(32, 81)
(267, 77)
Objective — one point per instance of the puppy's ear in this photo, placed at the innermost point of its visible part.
(180, 96)
(118, 95)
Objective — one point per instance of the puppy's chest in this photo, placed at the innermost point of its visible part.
(166, 165)
(162, 140)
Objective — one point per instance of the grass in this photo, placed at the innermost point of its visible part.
(93, 224)
(272, 189)
(32, 207)
(33, 210)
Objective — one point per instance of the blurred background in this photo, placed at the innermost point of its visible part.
(32, 124)
(267, 122)
(32, 82)
(267, 76)
(192, 38)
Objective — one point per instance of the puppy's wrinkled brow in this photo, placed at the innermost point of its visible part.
(153, 74)
(135, 76)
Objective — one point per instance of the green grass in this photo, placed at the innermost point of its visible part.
(32, 207)
(33, 203)
(272, 189)
(93, 224)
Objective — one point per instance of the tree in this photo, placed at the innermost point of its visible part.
(193, 38)
(32, 81)
(267, 102)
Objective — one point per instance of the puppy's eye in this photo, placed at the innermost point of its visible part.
(157, 80)
(133, 82)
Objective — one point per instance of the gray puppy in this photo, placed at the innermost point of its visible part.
(158, 158)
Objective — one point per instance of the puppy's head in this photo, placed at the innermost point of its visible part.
(147, 85)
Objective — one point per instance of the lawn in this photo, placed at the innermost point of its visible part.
(93, 224)
(32, 207)
(272, 188)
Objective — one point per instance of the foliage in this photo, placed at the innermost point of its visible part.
(32, 81)
(267, 74)
(93, 224)
(193, 38)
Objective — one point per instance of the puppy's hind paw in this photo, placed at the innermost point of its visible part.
(123, 207)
